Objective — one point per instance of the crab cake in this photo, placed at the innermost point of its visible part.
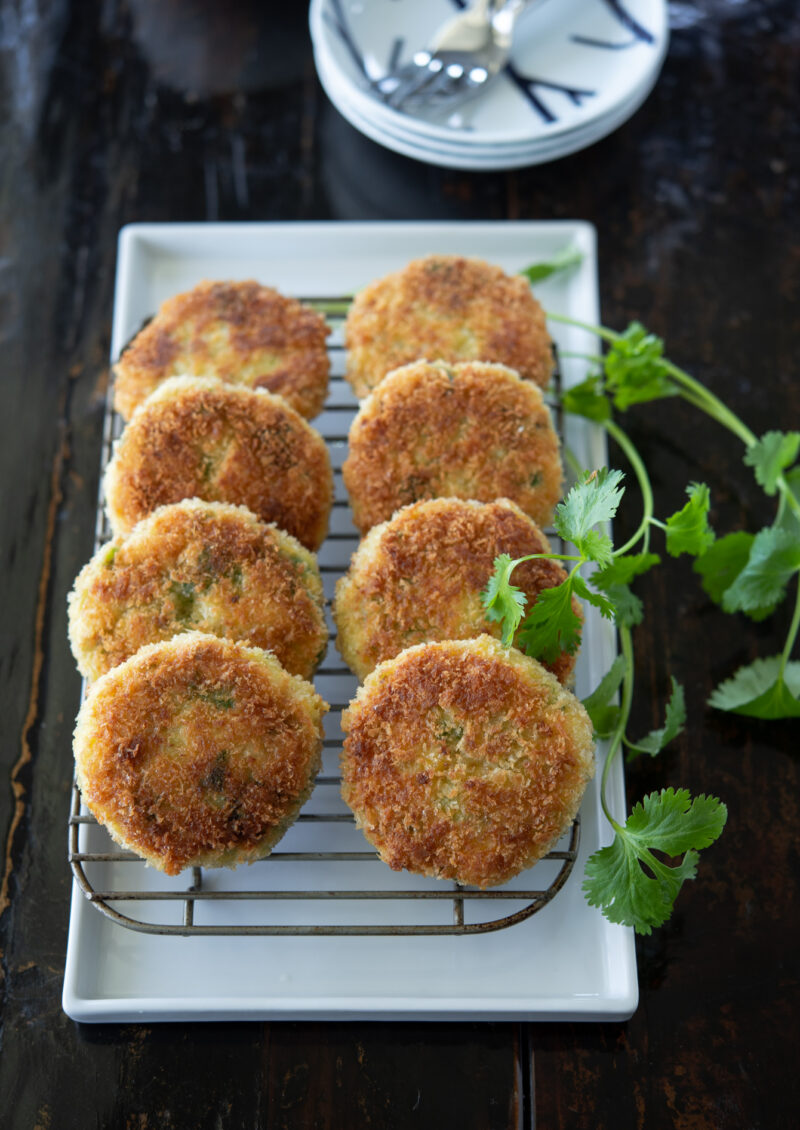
(464, 760)
(198, 752)
(204, 566)
(432, 430)
(238, 331)
(419, 577)
(200, 438)
(449, 308)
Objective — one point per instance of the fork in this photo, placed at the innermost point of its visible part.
(461, 60)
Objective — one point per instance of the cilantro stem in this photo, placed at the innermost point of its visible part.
(697, 394)
(574, 355)
(792, 636)
(574, 463)
(704, 399)
(642, 478)
(599, 331)
(332, 307)
(615, 745)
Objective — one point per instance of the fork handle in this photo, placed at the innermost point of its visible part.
(504, 15)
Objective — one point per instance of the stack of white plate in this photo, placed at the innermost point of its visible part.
(578, 70)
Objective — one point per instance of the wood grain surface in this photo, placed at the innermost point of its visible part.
(195, 110)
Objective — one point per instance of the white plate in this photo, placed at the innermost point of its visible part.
(466, 155)
(567, 961)
(462, 142)
(583, 58)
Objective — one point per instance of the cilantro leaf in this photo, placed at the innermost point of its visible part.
(503, 602)
(722, 563)
(759, 690)
(613, 580)
(774, 557)
(636, 370)
(552, 625)
(675, 717)
(787, 517)
(592, 500)
(628, 608)
(603, 713)
(598, 599)
(670, 822)
(587, 399)
(623, 569)
(771, 455)
(569, 256)
(688, 530)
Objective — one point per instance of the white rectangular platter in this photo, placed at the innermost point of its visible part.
(566, 962)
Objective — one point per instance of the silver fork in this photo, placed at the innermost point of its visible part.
(461, 60)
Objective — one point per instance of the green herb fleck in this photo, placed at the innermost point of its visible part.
(219, 697)
(183, 595)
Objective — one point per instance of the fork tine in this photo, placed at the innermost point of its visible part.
(441, 87)
(413, 83)
(467, 54)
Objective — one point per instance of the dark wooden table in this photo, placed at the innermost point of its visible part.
(195, 110)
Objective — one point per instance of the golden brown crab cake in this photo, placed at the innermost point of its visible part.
(198, 751)
(449, 308)
(465, 760)
(419, 577)
(432, 430)
(197, 437)
(199, 566)
(241, 332)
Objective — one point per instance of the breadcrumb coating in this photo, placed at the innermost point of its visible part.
(200, 438)
(464, 760)
(241, 332)
(199, 566)
(419, 577)
(432, 430)
(198, 752)
(446, 307)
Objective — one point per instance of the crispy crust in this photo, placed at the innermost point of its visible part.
(241, 332)
(198, 752)
(203, 566)
(199, 438)
(432, 430)
(419, 577)
(464, 760)
(449, 308)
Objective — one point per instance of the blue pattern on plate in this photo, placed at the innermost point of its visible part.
(530, 86)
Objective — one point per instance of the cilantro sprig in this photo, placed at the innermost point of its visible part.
(630, 880)
(741, 571)
(633, 880)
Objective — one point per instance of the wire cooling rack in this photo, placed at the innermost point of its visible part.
(323, 878)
